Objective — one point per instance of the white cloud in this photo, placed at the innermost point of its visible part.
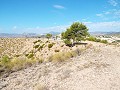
(59, 6)
(99, 15)
(113, 2)
(93, 26)
(104, 26)
(110, 14)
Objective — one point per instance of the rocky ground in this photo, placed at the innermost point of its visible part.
(97, 68)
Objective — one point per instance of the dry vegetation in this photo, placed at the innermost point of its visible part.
(19, 53)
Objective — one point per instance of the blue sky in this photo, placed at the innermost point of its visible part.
(41, 16)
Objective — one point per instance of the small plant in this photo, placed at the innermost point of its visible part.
(50, 45)
(47, 42)
(30, 55)
(36, 46)
(91, 38)
(57, 50)
(37, 41)
(98, 40)
(62, 45)
(41, 47)
(104, 41)
(5, 59)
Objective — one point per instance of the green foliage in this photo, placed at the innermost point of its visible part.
(37, 41)
(41, 47)
(77, 32)
(48, 36)
(91, 38)
(67, 42)
(36, 46)
(50, 45)
(63, 56)
(57, 50)
(30, 55)
(5, 59)
(104, 41)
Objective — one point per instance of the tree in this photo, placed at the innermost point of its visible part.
(76, 32)
(48, 36)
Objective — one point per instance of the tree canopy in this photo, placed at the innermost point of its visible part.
(76, 32)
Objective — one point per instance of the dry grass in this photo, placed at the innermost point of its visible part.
(63, 56)
(15, 64)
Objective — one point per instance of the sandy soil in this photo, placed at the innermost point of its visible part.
(97, 68)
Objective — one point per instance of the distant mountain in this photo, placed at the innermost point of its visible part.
(104, 33)
(13, 35)
(54, 33)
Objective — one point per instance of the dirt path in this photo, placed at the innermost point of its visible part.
(98, 68)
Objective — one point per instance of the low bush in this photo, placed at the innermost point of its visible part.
(37, 41)
(91, 38)
(31, 55)
(57, 50)
(10, 65)
(41, 47)
(50, 45)
(36, 46)
(62, 56)
(104, 41)
(5, 59)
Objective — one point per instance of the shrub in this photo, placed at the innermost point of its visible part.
(5, 59)
(62, 45)
(104, 41)
(62, 56)
(30, 55)
(37, 41)
(91, 38)
(57, 50)
(68, 42)
(41, 47)
(98, 40)
(36, 46)
(50, 45)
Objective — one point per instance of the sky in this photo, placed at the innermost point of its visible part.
(43, 16)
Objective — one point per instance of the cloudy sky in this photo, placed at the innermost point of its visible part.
(42, 16)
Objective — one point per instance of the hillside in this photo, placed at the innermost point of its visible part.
(97, 68)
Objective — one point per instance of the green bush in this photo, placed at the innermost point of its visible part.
(5, 59)
(36, 46)
(91, 38)
(57, 50)
(30, 55)
(104, 41)
(50, 45)
(41, 47)
(37, 41)
(98, 40)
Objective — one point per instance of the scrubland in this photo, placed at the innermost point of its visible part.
(42, 64)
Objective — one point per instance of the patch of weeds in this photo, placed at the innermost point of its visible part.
(104, 41)
(31, 55)
(57, 50)
(37, 41)
(41, 47)
(50, 45)
(36, 46)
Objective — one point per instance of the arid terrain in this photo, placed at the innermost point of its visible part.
(95, 66)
